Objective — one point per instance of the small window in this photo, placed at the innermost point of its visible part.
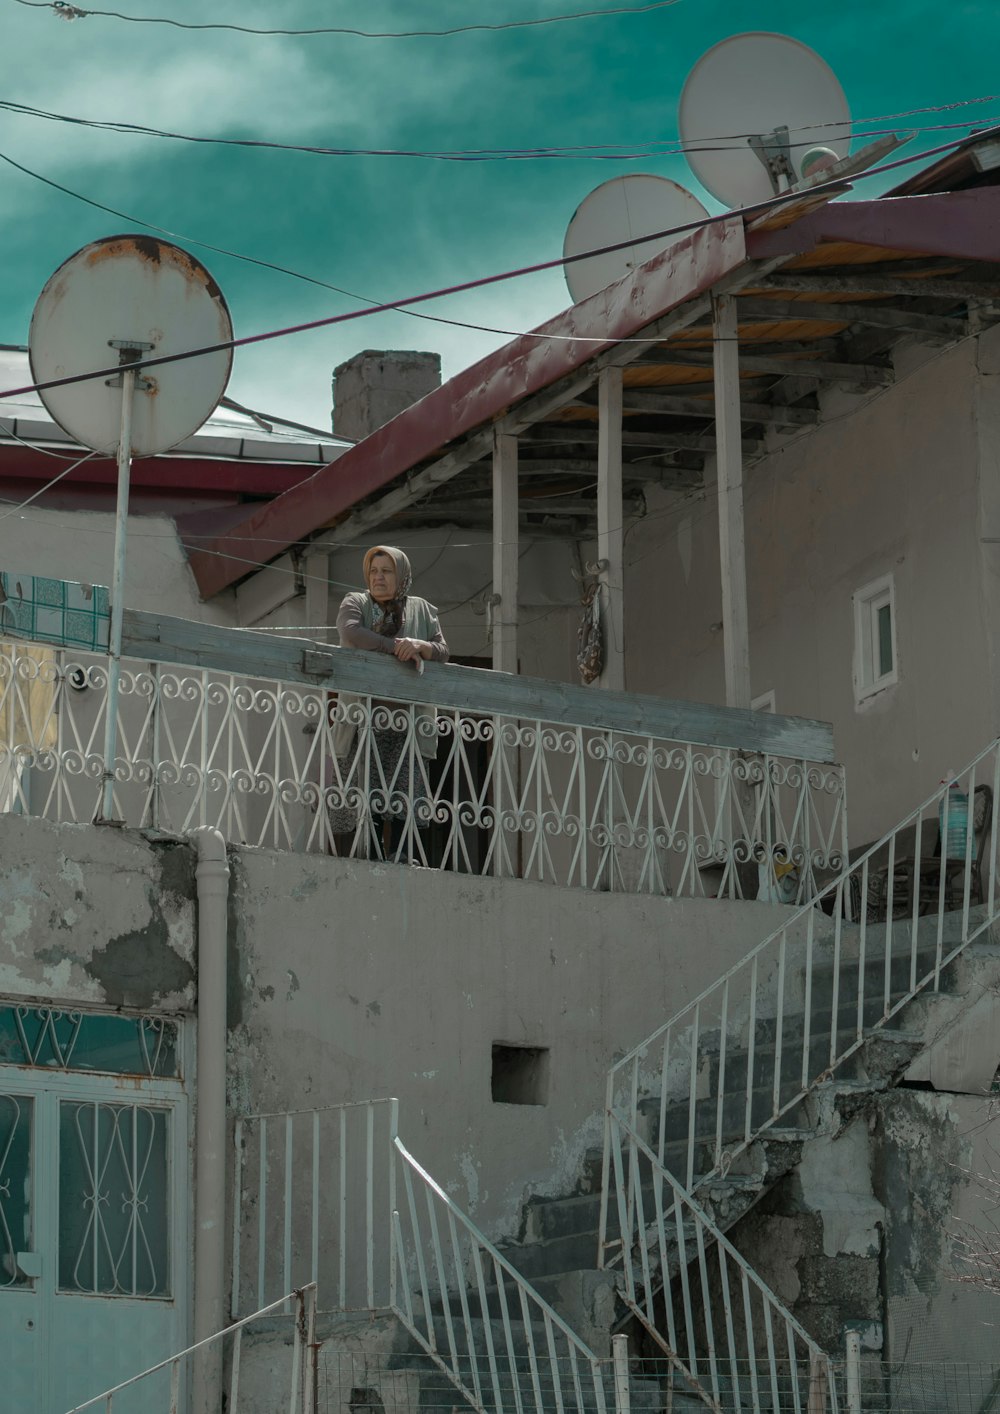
(874, 638)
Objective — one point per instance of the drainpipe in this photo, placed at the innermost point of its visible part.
(212, 875)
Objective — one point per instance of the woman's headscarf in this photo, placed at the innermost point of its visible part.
(389, 617)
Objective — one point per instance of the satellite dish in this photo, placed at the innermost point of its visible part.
(618, 210)
(114, 302)
(752, 108)
(127, 293)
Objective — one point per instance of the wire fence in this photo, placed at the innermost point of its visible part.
(406, 1381)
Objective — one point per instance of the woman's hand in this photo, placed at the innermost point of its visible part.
(408, 650)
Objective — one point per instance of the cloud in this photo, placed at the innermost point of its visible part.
(293, 377)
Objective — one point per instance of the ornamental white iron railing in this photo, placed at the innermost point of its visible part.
(458, 769)
(695, 1095)
(313, 1198)
(319, 1192)
(162, 1386)
(500, 1343)
(728, 1334)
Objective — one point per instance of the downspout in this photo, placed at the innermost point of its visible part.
(212, 876)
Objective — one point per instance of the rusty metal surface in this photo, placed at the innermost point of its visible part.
(155, 297)
(961, 225)
(477, 396)
(955, 226)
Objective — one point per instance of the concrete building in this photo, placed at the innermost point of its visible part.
(737, 1129)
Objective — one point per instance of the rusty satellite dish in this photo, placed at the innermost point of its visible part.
(113, 303)
(752, 107)
(122, 294)
(621, 209)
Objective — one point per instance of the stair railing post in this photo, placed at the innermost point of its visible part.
(852, 1371)
(393, 1136)
(619, 1355)
(818, 1368)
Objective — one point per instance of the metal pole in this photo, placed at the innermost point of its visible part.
(853, 1372)
(212, 883)
(117, 594)
(619, 1354)
(729, 465)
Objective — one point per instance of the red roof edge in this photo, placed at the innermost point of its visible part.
(477, 396)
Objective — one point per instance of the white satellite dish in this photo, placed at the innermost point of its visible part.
(127, 293)
(622, 209)
(117, 301)
(753, 108)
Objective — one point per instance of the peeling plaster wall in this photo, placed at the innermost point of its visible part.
(358, 981)
(936, 1154)
(95, 916)
(78, 545)
(816, 1239)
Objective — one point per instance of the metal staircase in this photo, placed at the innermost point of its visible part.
(708, 1112)
(702, 1119)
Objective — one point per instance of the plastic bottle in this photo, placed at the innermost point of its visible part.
(954, 839)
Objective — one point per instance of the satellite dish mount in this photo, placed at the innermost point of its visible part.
(151, 297)
(775, 153)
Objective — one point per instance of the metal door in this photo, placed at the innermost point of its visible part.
(93, 1224)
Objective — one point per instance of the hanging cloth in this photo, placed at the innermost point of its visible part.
(589, 639)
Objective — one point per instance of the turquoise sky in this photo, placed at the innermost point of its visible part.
(388, 226)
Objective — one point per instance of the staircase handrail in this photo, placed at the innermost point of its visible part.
(731, 1349)
(803, 910)
(749, 1011)
(304, 1298)
(503, 1366)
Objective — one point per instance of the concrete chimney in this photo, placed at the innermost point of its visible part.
(372, 387)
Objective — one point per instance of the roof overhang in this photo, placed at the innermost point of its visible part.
(822, 299)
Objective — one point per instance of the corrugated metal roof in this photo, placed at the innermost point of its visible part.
(227, 434)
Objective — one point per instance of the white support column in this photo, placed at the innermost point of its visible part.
(505, 552)
(317, 577)
(609, 526)
(732, 546)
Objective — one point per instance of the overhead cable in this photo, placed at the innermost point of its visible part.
(481, 282)
(68, 11)
(643, 150)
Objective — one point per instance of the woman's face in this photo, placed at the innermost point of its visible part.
(382, 579)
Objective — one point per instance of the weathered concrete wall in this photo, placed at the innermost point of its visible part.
(893, 486)
(371, 980)
(95, 916)
(869, 1232)
(78, 545)
(370, 388)
(936, 1166)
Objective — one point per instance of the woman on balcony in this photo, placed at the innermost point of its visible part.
(386, 618)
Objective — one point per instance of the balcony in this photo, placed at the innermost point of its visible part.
(489, 773)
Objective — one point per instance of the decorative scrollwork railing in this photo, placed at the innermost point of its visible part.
(509, 794)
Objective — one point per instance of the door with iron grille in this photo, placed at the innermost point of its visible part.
(93, 1205)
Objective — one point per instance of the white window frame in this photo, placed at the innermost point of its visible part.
(764, 702)
(868, 602)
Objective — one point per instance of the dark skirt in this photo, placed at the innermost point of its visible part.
(390, 784)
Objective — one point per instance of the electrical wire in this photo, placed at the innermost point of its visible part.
(48, 485)
(32, 446)
(66, 10)
(619, 152)
(481, 282)
(706, 494)
(255, 260)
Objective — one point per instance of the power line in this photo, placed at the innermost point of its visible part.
(68, 11)
(482, 281)
(250, 259)
(642, 150)
(48, 485)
